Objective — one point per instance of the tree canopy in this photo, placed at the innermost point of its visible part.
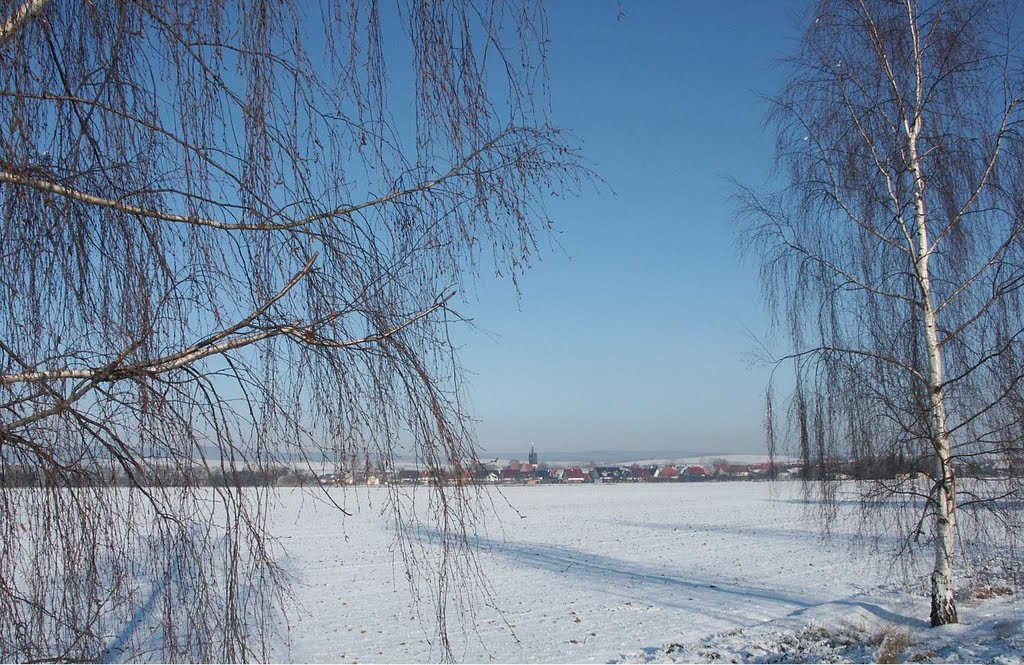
(893, 256)
(231, 237)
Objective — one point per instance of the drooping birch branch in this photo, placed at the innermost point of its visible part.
(44, 185)
(306, 333)
(25, 13)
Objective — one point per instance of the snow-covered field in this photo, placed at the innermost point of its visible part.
(627, 573)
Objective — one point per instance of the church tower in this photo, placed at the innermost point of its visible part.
(533, 455)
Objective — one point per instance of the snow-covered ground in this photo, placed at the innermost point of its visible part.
(626, 573)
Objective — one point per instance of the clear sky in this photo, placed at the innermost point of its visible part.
(635, 334)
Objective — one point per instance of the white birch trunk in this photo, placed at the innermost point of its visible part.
(944, 489)
(943, 492)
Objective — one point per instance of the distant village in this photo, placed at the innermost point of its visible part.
(514, 472)
(532, 472)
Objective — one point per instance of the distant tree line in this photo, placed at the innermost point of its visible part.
(876, 467)
(24, 475)
(899, 465)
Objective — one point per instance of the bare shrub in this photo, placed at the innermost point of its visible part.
(892, 643)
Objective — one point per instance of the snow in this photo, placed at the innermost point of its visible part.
(689, 572)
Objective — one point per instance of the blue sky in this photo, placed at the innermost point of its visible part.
(635, 333)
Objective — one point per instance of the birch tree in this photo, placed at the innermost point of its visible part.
(230, 242)
(893, 258)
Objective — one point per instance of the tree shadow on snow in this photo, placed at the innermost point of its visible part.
(700, 593)
(845, 539)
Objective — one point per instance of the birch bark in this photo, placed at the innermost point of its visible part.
(943, 493)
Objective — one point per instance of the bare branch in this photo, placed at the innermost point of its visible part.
(459, 170)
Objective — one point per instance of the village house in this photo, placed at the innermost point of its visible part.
(408, 476)
(640, 474)
(575, 474)
(734, 471)
(510, 473)
(609, 474)
(695, 472)
(527, 472)
(667, 474)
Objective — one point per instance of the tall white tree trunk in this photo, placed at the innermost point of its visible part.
(943, 492)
